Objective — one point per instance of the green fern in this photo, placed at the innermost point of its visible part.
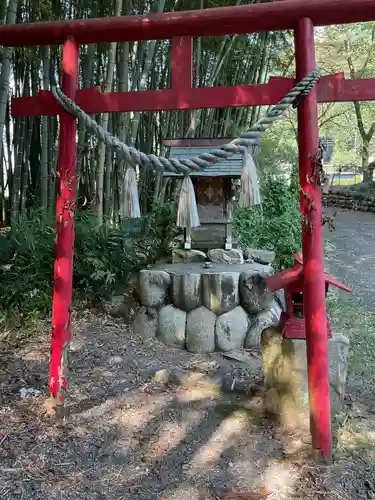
(105, 257)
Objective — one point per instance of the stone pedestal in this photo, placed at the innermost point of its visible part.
(285, 372)
(197, 307)
(338, 350)
(282, 397)
(146, 322)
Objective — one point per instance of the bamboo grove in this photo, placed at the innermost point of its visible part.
(29, 146)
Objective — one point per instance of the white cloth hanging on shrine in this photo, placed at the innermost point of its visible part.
(187, 214)
(249, 189)
(131, 209)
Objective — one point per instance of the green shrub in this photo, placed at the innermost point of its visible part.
(26, 265)
(105, 256)
(273, 226)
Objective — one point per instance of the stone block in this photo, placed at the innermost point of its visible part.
(285, 375)
(153, 287)
(255, 295)
(200, 330)
(121, 306)
(173, 376)
(186, 291)
(172, 326)
(180, 256)
(231, 329)
(338, 351)
(260, 322)
(146, 322)
(259, 256)
(221, 256)
(220, 291)
(280, 299)
(116, 306)
(282, 392)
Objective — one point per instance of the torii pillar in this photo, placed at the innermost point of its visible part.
(313, 249)
(64, 241)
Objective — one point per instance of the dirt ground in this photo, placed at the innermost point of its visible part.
(129, 436)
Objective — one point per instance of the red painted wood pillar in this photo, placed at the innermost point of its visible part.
(182, 64)
(64, 241)
(313, 251)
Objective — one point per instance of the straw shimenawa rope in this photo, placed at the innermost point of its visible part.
(186, 166)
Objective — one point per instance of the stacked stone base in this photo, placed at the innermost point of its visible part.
(286, 381)
(219, 306)
(205, 309)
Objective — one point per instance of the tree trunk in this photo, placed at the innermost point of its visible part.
(370, 172)
(87, 73)
(365, 154)
(365, 136)
(144, 77)
(193, 122)
(16, 188)
(123, 123)
(10, 162)
(5, 70)
(52, 160)
(107, 196)
(45, 121)
(107, 88)
(2, 189)
(26, 165)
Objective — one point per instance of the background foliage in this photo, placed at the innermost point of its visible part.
(106, 256)
(275, 225)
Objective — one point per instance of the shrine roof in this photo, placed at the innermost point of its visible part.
(188, 148)
(291, 275)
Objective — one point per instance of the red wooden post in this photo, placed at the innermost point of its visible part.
(64, 242)
(182, 63)
(331, 88)
(313, 253)
(240, 19)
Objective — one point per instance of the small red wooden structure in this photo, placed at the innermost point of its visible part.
(181, 27)
(292, 321)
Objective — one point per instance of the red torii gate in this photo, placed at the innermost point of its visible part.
(181, 27)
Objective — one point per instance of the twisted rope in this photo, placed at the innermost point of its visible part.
(186, 166)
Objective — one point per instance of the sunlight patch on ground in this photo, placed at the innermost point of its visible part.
(35, 355)
(225, 436)
(202, 391)
(134, 419)
(279, 477)
(171, 434)
(183, 492)
(77, 343)
(355, 435)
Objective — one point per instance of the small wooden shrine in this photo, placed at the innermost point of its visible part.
(292, 321)
(214, 191)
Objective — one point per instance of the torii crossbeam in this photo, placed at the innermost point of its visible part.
(181, 27)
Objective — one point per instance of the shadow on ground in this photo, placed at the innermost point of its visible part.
(128, 437)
